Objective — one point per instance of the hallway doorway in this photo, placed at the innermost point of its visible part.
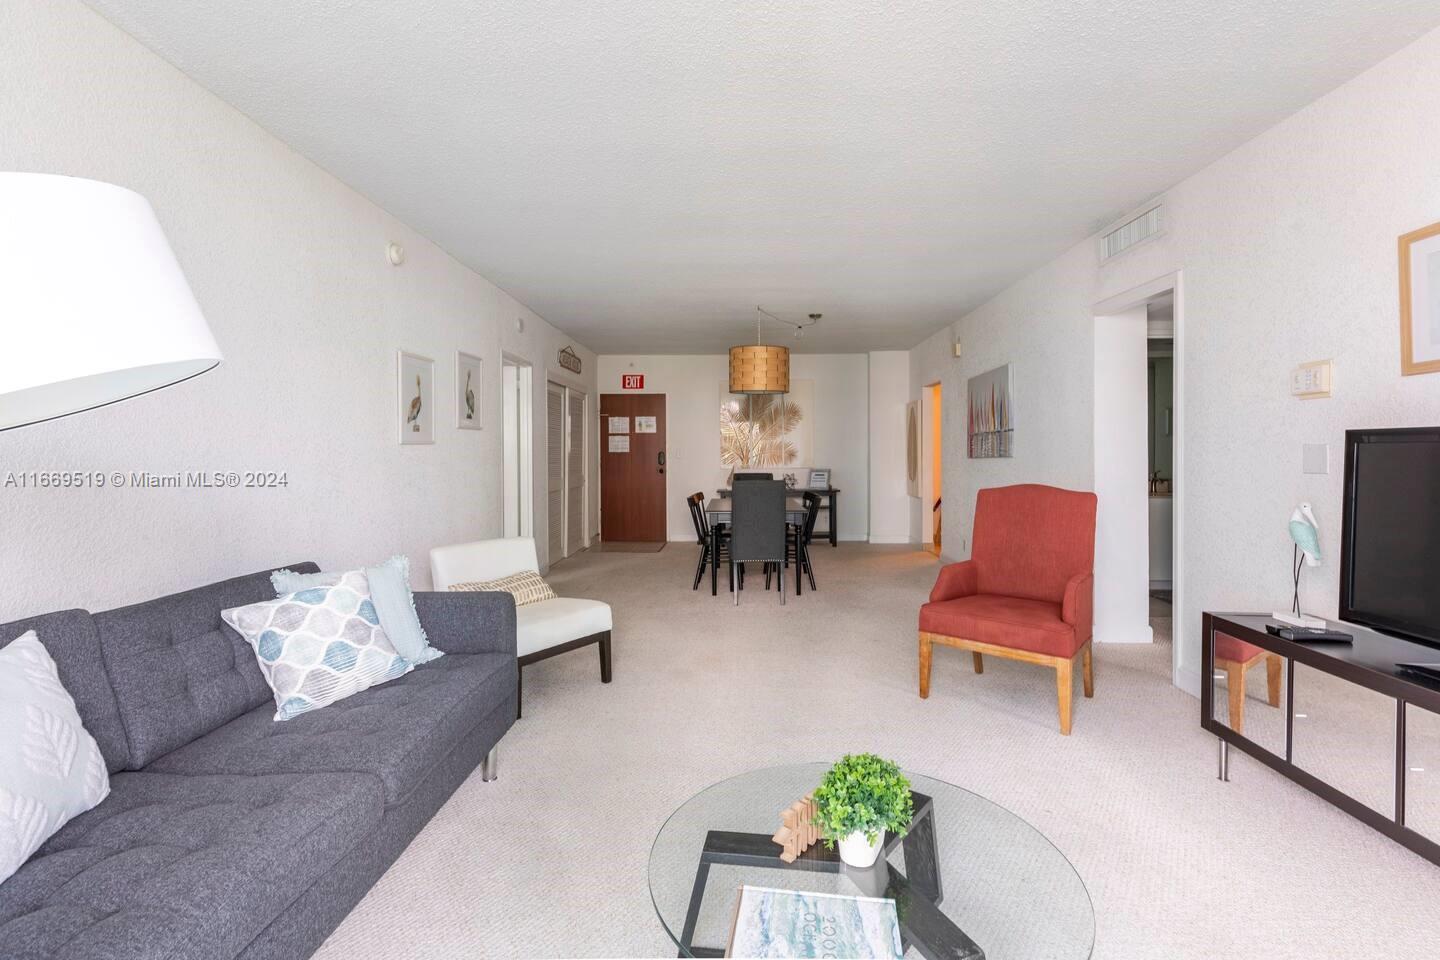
(931, 475)
(1138, 464)
(517, 481)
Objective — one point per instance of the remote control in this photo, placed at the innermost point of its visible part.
(1309, 634)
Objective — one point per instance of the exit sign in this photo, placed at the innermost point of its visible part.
(632, 381)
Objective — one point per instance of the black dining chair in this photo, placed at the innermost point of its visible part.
(753, 476)
(758, 529)
(797, 549)
(702, 533)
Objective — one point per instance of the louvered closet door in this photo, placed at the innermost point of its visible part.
(575, 475)
(555, 468)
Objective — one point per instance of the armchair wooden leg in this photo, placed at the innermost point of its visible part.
(1272, 679)
(1088, 671)
(1064, 687)
(926, 649)
(979, 662)
(604, 645)
(1235, 682)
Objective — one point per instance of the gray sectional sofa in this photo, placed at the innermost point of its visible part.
(227, 834)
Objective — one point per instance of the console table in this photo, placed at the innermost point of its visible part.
(1338, 719)
(831, 495)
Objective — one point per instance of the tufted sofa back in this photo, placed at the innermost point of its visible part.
(178, 671)
(70, 638)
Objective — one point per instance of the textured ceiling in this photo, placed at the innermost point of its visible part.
(644, 172)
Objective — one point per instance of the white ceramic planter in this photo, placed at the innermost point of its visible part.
(857, 852)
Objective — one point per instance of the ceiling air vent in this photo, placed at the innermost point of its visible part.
(1131, 232)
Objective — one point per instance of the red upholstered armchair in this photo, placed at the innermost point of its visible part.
(1026, 592)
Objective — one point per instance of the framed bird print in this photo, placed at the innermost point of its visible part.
(1420, 301)
(416, 406)
(467, 391)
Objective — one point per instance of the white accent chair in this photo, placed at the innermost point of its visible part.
(542, 629)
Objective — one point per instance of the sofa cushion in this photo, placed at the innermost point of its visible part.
(540, 626)
(319, 645)
(397, 731)
(178, 671)
(50, 769)
(70, 639)
(1013, 622)
(192, 867)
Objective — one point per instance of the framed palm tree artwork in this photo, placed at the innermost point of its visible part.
(416, 398)
(768, 430)
(467, 391)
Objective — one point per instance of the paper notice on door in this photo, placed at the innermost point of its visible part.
(620, 444)
(618, 425)
(644, 424)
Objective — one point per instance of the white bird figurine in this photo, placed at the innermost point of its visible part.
(1306, 534)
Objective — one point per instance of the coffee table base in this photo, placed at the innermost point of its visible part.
(917, 898)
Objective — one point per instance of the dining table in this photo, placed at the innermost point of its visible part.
(718, 511)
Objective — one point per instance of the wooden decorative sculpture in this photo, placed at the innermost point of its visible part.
(797, 831)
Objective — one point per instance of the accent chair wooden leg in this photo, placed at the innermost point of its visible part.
(1087, 666)
(979, 662)
(605, 658)
(1272, 678)
(1064, 687)
(926, 649)
(1235, 682)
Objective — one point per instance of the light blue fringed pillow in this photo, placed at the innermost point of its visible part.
(390, 589)
(319, 645)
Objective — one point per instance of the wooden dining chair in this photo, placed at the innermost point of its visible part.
(758, 529)
(696, 502)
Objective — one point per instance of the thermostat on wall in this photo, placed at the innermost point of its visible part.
(1310, 380)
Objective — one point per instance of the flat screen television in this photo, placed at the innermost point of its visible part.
(1390, 551)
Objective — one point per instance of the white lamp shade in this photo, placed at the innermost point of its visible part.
(93, 305)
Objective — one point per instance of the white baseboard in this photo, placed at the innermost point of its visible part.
(1133, 634)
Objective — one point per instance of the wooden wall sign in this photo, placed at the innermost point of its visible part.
(570, 360)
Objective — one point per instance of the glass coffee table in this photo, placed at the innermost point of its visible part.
(970, 879)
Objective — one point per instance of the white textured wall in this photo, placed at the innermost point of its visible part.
(889, 483)
(1288, 252)
(691, 385)
(288, 265)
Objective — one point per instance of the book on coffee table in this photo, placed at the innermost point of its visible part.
(798, 924)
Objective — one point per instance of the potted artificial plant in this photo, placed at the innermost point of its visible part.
(860, 798)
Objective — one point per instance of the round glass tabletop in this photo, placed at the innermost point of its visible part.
(969, 879)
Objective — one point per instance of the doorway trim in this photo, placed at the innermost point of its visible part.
(1185, 645)
(522, 524)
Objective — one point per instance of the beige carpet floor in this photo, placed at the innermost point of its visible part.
(550, 859)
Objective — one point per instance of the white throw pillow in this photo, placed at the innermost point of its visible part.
(50, 768)
(319, 645)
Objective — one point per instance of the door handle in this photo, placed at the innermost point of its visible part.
(661, 461)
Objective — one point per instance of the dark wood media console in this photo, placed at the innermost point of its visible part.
(1350, 696)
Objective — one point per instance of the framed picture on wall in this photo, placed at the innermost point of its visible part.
(1420, 301)
(467, 391)
(416, 398)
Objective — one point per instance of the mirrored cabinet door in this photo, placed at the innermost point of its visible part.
(1422, 771)
(1345, 735)
(1250, 692)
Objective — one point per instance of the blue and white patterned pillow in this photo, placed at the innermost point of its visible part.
(319, 645)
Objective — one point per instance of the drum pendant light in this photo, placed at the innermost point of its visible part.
(759, 368)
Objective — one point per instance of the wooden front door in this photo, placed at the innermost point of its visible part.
(632, 467)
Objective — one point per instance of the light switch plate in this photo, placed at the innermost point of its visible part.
(1311, 380)
(1315, 457)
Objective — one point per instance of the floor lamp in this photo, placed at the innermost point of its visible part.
(93, 306)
